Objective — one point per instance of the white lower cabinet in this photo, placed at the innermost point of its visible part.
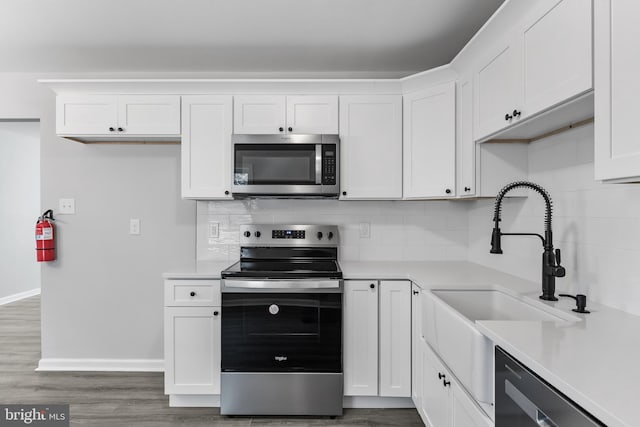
(377, 338)
(191, 340)
(444, 403)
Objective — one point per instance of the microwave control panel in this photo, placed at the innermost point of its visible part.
(329, 164)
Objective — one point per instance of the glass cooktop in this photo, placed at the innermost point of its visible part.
(284, 269)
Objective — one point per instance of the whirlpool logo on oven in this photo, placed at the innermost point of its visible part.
(281, 358)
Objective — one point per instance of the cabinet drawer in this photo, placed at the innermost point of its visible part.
(194, 292)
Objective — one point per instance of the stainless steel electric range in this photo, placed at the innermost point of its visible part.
(282, 323)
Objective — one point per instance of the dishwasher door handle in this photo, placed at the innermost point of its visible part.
(527, 406)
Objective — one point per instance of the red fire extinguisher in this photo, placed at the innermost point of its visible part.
(45, 237)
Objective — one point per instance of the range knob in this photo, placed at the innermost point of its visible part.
(257, 234)
(247, 233)
(319, 235)
(330, 235)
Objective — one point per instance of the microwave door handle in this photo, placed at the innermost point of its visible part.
(318, 163)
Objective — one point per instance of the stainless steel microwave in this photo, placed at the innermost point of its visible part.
(286, 165)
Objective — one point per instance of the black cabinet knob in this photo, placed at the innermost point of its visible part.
(193, 294)
(281, 129)
(319, 234)
(330, 235)
(344, 193)
(257, 234)
(372, 286)
(120, 129)
(112, 129)
(226, 193)
(215, 313)
(247, 234)
(441, 375)
(516, 113)
(508, 117)
(290, 129)
(467, 188)
(448, 191)
(416, 292)
(446, 383)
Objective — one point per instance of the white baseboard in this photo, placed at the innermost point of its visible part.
(19, 296)
(194, 400)
(101, 365)
(377, 402)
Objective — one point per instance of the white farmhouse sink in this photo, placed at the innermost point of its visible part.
(449, 318)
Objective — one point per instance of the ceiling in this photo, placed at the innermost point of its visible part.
(381, 38)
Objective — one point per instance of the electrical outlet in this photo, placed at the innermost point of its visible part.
(134, 226)
(67, 206)
(365, 230)
(214, 230)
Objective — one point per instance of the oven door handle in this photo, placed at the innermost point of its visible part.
(231, 285)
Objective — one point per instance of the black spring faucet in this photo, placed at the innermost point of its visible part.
(551, 267)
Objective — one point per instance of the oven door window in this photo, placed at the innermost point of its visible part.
(275, 164)
(282, 332)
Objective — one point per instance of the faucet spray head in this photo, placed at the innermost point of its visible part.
(496, 247)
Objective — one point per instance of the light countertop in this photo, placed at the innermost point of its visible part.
(595, 361)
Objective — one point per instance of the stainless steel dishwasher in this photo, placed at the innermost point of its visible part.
(523, 399)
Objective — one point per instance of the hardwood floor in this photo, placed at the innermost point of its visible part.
(127, 398)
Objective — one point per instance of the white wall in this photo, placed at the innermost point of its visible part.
(20, 207)
(597, 226)
(413, 230)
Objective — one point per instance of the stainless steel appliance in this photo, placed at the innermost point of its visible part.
(524, 399)
(282, 323)
(286, 165)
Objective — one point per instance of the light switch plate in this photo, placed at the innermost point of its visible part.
(214, 230)
(134, 226)
(66, 206)
(365, 230)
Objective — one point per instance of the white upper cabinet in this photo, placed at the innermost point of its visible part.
(497, 84)
(113, 117)
(206, 147)
(557, 54)
(86, 114)
(617, 64)
(466, 146)
(312, 114)
(259, 114)
(371, 147)
(546, 60)
(430, 143)
(271, 114)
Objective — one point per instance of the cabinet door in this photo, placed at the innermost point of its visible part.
(360, 338)
(464, 411)
(617, 61)
(192, 350)
(259, 114)
(466, 146)
(557, 54)
(86, 114)
(206, 147)
(149, 114)
(416, 338)
(435, 395)
(395, 338)
(430, 143)
(371, 147)
(497, 89)
(310, 114)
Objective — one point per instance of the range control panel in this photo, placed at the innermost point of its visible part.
(288, 235)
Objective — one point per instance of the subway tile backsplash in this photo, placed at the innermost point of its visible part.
(399, 230)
